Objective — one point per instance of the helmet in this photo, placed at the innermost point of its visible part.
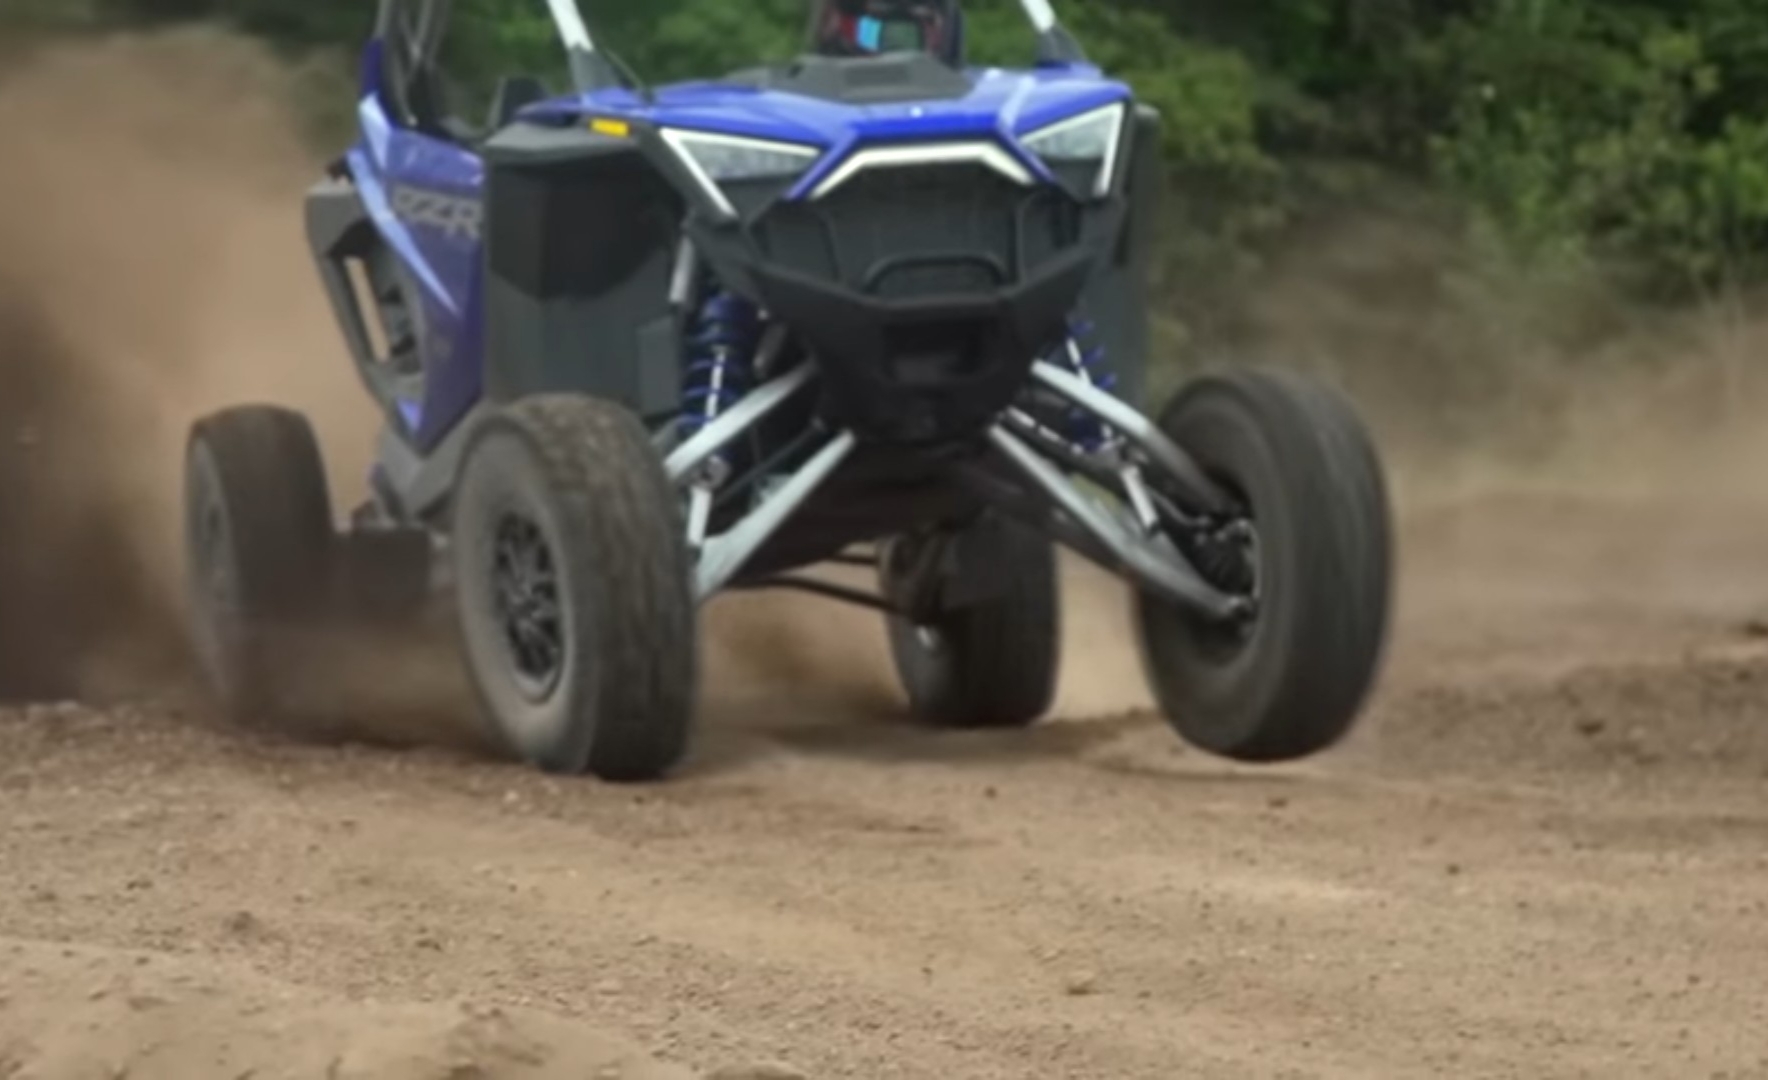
(871, 27)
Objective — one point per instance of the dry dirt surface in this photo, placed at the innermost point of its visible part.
(1545, 854)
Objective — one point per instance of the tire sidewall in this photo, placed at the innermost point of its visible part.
(503, 473)
(221, 635)
(928, 673)
(258, 470)
(1219, 703)
(993, 663)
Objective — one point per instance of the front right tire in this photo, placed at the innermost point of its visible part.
(1292, 682)
(575, 604)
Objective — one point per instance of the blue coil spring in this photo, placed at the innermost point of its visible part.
(721, 359)
(1087, 431)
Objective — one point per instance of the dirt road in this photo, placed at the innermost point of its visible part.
(1545, 855)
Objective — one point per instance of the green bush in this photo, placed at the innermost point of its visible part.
(1591, 132)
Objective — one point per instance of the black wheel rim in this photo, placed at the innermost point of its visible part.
(525, 601)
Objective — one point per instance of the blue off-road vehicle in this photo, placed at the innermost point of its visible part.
(637, 345)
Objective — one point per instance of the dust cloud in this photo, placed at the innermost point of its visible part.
(151, 268)
(1559, 456)
(1480, 373)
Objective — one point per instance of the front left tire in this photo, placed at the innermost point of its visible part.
(575, 604)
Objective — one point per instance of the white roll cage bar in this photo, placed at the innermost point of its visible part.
(574, 31)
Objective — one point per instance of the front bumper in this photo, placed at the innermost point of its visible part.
(924, 369)
(923, 293)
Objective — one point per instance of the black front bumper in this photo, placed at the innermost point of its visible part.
(924, 294)
(925, 369)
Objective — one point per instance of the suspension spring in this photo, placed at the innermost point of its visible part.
(721, 358)
(1086, 357)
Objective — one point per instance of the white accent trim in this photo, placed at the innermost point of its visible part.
(1041, 14)
(720, 139)
(892, 157)
(569, 20)
(1108, 161)
(677, 138)
(707, 185)
(1108, 168)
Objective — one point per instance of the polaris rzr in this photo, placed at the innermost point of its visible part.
(640, 345)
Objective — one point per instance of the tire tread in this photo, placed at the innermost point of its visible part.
(1331, 478)
(273, 486)
(597, 463)
(1004, 653)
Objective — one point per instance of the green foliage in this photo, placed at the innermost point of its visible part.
(1593, 132)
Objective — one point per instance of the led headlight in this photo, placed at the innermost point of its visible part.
(716, 160)
(1086, 142)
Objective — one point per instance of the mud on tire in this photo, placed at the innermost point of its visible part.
(990, 662)
(1293, 682)
(576, 612)
(258, 546)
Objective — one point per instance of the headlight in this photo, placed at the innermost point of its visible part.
(716, 160)
(1085, 142)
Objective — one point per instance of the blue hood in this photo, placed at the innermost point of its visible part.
(1001, 105)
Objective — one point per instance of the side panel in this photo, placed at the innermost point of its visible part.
(581, 241)
(1117, 301)
(340, 232)
(424, 195)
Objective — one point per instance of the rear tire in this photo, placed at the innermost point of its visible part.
(576, 612)
(1294, 683)
(258, 547)
(991, 662)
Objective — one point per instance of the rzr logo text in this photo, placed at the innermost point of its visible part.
(456, 217)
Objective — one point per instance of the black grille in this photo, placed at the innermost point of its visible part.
(922, 230)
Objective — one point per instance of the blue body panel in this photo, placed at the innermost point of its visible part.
(445, 259)
(443, 262)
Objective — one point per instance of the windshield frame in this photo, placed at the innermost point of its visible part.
(573, 29)
(590, 69)
(1042, 14)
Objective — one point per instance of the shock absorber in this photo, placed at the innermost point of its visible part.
(720, 370)
(721, 355)
(1086, 357)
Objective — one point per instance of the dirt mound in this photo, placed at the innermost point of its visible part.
(71, 1013)
(1664, 719)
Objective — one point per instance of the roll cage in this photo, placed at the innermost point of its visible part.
(411, 33)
